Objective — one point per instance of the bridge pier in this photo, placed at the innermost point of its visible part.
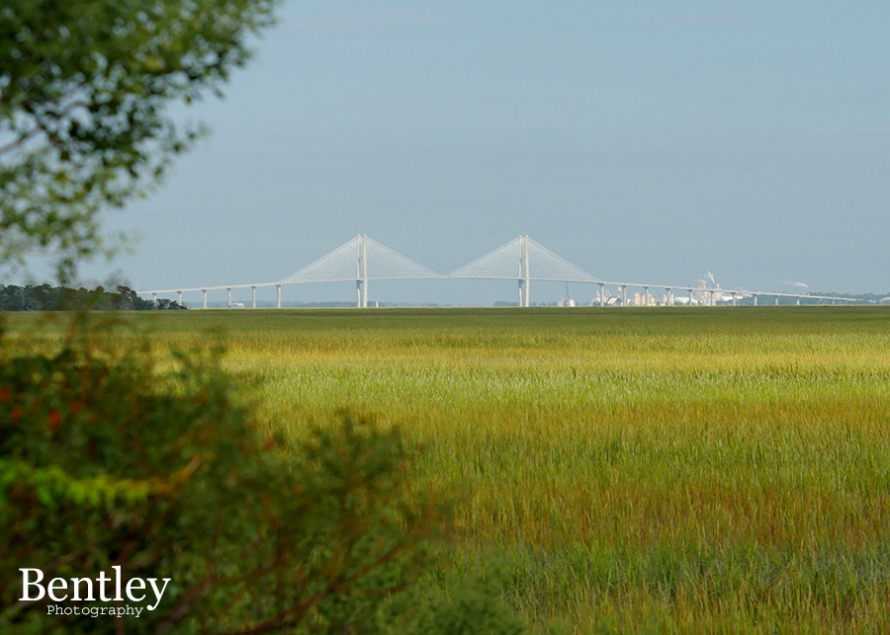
(602, 294)
(205, 297)
(777, 300)
(229, 294)
(669, 296)
(179, 298)
(253, 295)
(361, 272)
(524, 272)
(278, 287)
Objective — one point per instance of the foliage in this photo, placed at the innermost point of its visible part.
(105, 461)
(108, 460)
(49, 298)
(84, 85)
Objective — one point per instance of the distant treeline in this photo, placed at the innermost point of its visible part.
(48, 298)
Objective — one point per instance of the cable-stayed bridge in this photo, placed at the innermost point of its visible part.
(534, 262)
(361, 259)
(523, 260)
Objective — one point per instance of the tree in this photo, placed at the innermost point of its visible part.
(48, 298)
(106, 462)
(84, 88)
(110, 460)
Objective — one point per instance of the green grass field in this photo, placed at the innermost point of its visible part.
(621, 470)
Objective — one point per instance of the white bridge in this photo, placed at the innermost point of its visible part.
(362, 259)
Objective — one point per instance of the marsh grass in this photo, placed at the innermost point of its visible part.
(679, 470)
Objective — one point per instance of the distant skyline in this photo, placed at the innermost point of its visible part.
(639, 142)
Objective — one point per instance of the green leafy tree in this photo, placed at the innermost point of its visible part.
(48, 298)
(108, 460)
(84, 87)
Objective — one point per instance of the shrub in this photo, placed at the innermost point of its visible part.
(105, 461)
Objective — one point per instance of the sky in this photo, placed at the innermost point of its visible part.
(638, 140)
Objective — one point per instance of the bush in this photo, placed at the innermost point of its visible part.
(48, 298)
(105, 461)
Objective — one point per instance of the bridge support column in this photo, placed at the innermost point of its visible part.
(278, 287)
(253, 295)
(777, 300)
(669, 297)
(602, 294)
(755, 300)
(205, 297)
(622, 291)
(179, 297)
(154, 299)
(524, 272)
(364, 271)
(229, 295)
(645, 296)
(733, 300)
(361, 272)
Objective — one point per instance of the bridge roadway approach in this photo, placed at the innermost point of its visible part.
(362, 259)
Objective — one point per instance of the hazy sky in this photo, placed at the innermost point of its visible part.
(639, 140)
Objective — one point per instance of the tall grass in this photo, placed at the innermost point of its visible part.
(678, 470)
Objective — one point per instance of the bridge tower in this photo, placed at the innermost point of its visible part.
(501, 264)
(524, 271)
(361, 271)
